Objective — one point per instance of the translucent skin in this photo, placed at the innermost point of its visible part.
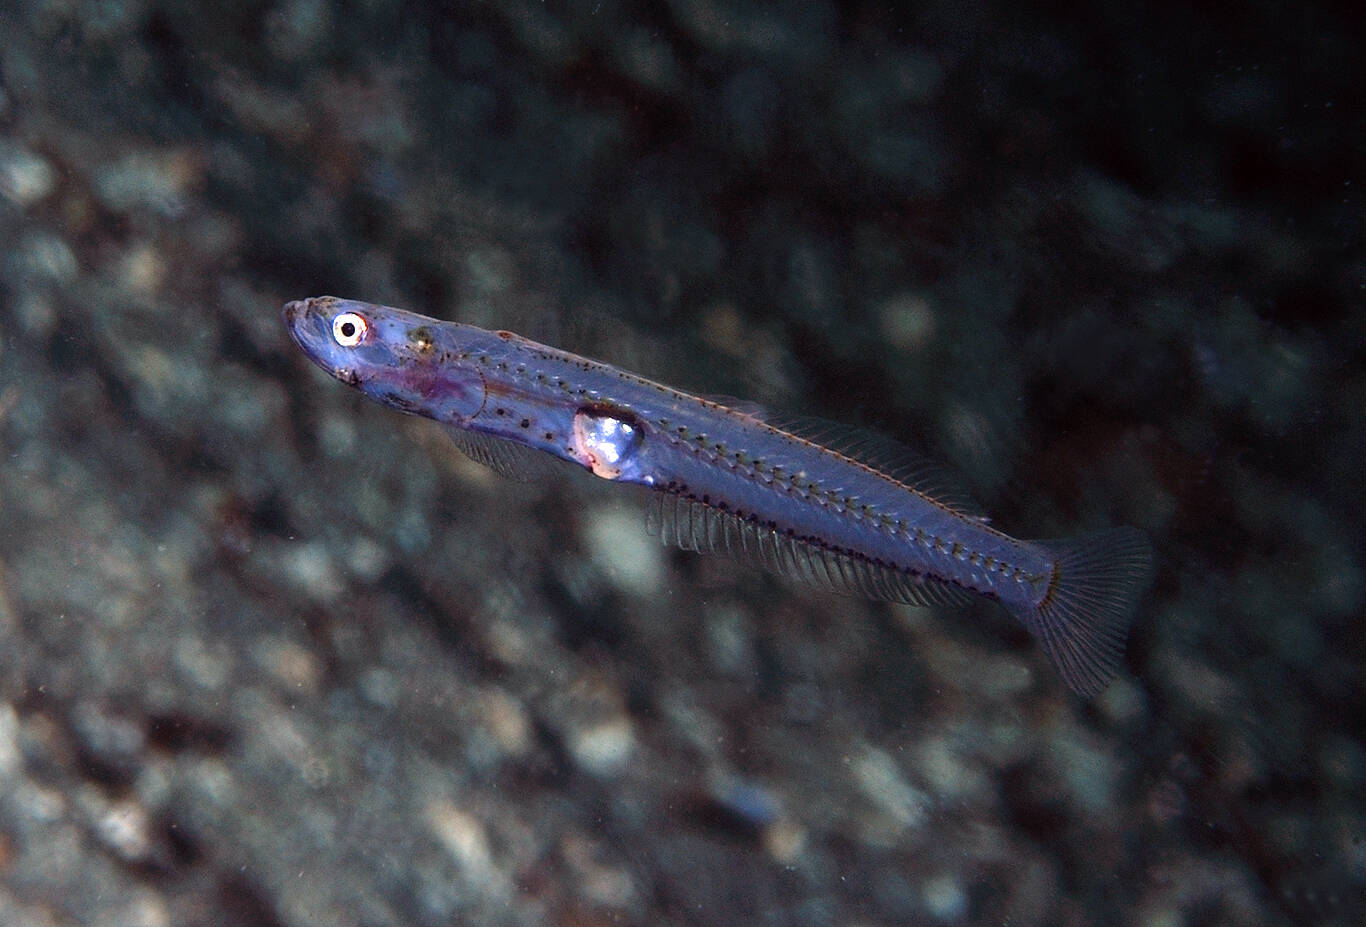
(393, 364)
(763, 484)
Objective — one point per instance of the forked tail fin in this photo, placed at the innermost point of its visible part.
(1085, 614)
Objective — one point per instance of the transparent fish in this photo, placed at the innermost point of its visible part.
(828, 506)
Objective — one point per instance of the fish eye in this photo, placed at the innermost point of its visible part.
(349, 329)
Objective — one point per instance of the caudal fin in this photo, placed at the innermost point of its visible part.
(1084, 617)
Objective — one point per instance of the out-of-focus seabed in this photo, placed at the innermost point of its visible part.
(270, 655)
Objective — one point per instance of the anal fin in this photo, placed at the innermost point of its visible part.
(693, 525)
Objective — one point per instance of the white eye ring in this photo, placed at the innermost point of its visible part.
(349, 329)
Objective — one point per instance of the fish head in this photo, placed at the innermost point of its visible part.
(398, 358)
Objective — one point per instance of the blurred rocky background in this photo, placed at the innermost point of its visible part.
(271, 656)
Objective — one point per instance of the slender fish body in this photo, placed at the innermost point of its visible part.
(734, 481)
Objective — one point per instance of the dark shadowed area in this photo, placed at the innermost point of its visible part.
(274, 656)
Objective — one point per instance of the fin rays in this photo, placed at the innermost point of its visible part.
(515, 461)
(1083, 620)
(695, 526)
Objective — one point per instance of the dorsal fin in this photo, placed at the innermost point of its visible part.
(886, 455)
(743, 406)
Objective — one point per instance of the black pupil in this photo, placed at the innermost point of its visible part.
(348, 329)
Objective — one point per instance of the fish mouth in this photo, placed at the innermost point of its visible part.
(292, 310)
(307, 323)
(293, 315)
(297, 311)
